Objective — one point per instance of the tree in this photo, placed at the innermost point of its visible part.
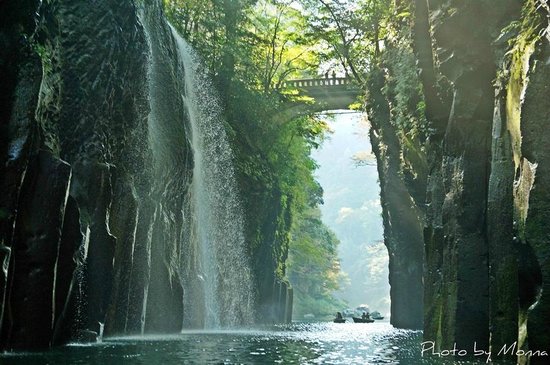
(251, 47)
(313, 266)
(282, 48)
(351, 31)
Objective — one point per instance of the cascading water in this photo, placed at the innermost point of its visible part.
(217, 221)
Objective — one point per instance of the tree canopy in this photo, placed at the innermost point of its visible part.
(251, 47)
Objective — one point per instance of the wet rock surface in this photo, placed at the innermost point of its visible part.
(76, 170)
(485, 243)
(96, 167)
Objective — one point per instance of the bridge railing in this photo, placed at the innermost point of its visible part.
(323, 82)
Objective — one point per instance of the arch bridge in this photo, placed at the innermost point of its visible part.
(330, 93)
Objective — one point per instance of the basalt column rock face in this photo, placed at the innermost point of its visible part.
(484, 76)
(484, 72)
(457, 307)
(402, 217)
(456, 229)
(29, 305)
(527, 113)
(91, 211)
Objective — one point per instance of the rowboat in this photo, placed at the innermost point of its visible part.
(362, 320)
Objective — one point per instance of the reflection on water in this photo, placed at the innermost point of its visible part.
(299, 343)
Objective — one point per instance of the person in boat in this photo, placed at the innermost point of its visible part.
(339, 318)
(365, 315)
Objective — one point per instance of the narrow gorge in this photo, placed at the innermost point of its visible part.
(147, 188)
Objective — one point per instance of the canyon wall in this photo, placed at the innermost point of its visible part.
(90, 236)
(480, 184)
(96, 212)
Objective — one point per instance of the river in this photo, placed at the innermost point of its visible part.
(298, 343)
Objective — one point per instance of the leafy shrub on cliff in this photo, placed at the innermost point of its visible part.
(403, 95)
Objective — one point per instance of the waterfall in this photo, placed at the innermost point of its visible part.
(217, 223)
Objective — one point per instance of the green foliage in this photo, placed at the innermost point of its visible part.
(396, 95)
(313, 266)
(260, 43)
(251, 47)
(352, 33)
(528, 32)
(404, 88)
(200, 23)
(45, 56)
(279, 45)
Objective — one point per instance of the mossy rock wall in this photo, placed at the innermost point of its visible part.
(483, 189)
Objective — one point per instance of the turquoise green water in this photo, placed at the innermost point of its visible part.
(305, 343)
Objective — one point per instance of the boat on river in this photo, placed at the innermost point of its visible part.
(362, 320)
(376, 315)
(339, 318)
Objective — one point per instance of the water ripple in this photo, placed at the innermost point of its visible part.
(300, 343)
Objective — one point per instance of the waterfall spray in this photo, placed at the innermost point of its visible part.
(217, 219)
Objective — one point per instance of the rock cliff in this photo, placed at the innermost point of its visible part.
(84, 235)
(480, 169)
(96, 174)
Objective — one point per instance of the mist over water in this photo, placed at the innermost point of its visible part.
(351, 208)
